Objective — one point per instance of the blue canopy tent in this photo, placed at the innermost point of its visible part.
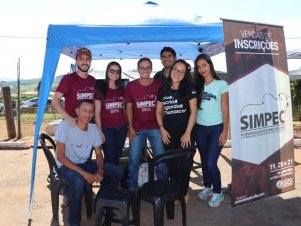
(121, 42)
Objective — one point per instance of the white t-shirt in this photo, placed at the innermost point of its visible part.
(78, 143)
(210, 112)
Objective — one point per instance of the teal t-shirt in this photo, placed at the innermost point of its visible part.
(210, 111)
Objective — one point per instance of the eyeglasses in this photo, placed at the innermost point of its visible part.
(176, 70)
(144, 68)
(112, 71)
(87, 111)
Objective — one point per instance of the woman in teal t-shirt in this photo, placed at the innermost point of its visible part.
(211, 125)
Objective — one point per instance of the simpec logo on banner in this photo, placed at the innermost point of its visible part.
(259, 119)
(260, 111)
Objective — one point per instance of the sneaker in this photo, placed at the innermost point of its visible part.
(216, 200)
(205, 193)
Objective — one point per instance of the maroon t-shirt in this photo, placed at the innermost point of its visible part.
(144, 100)
(112, 109)
(74, 89)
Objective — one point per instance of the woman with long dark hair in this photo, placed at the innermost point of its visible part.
(110, 114)
(211, 125)
(177, 107)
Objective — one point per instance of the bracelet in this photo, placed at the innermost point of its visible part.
(160, 126)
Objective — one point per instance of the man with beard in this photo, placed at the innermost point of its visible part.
(168, 56)
(75, 87)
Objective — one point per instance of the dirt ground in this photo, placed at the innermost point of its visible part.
(27, 129)
(283, 209)
(15, 180)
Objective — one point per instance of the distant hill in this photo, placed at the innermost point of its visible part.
(29, 84)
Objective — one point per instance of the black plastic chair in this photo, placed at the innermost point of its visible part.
(121, 199)
(158, 192)
(56, 182)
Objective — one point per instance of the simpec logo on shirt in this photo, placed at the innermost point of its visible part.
(146, 103)
(115, 104)
(87, 93)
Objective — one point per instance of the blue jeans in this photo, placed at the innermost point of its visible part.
(207, 144)
(115, 139)
(136, 148)
(76, 188)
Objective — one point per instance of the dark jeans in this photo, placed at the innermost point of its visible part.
(115, 139)
(76, 189)
(207, 144)
(136, 147)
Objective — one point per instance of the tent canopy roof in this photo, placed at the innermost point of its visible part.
(136, 41)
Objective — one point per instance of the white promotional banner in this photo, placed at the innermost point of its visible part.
(260, 111)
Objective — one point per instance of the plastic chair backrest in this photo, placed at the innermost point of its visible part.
(53, 168)
(178, 166)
